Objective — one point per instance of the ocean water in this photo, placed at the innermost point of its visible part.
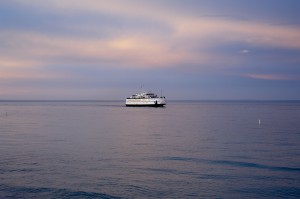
(102, 149)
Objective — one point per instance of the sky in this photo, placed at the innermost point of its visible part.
(189, 49)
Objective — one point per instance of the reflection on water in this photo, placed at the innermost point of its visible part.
(186, 150)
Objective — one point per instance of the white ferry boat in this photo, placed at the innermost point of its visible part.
(145, 99)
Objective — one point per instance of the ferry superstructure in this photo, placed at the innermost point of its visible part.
(145, 99)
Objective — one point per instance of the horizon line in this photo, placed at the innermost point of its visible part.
(170, 100)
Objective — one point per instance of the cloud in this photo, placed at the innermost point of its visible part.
(245, 51)
(6, 62)
(138, 51)
(135, 46)
(273, 76)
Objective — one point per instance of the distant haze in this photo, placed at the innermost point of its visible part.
(192, 49)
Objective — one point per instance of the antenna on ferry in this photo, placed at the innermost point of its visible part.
(142, 88)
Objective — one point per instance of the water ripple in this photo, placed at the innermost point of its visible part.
(40, 192)
(234, 163)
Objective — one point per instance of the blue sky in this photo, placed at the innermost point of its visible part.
(192, 49)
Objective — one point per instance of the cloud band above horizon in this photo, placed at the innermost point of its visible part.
(60, 39)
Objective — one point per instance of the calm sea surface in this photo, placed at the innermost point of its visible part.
(185, 150)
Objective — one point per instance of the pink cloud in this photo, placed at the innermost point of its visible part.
(139, 49)
(273, 76)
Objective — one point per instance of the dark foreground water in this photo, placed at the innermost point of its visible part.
(186, 150)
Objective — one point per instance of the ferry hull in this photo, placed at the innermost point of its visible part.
(153, 102)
